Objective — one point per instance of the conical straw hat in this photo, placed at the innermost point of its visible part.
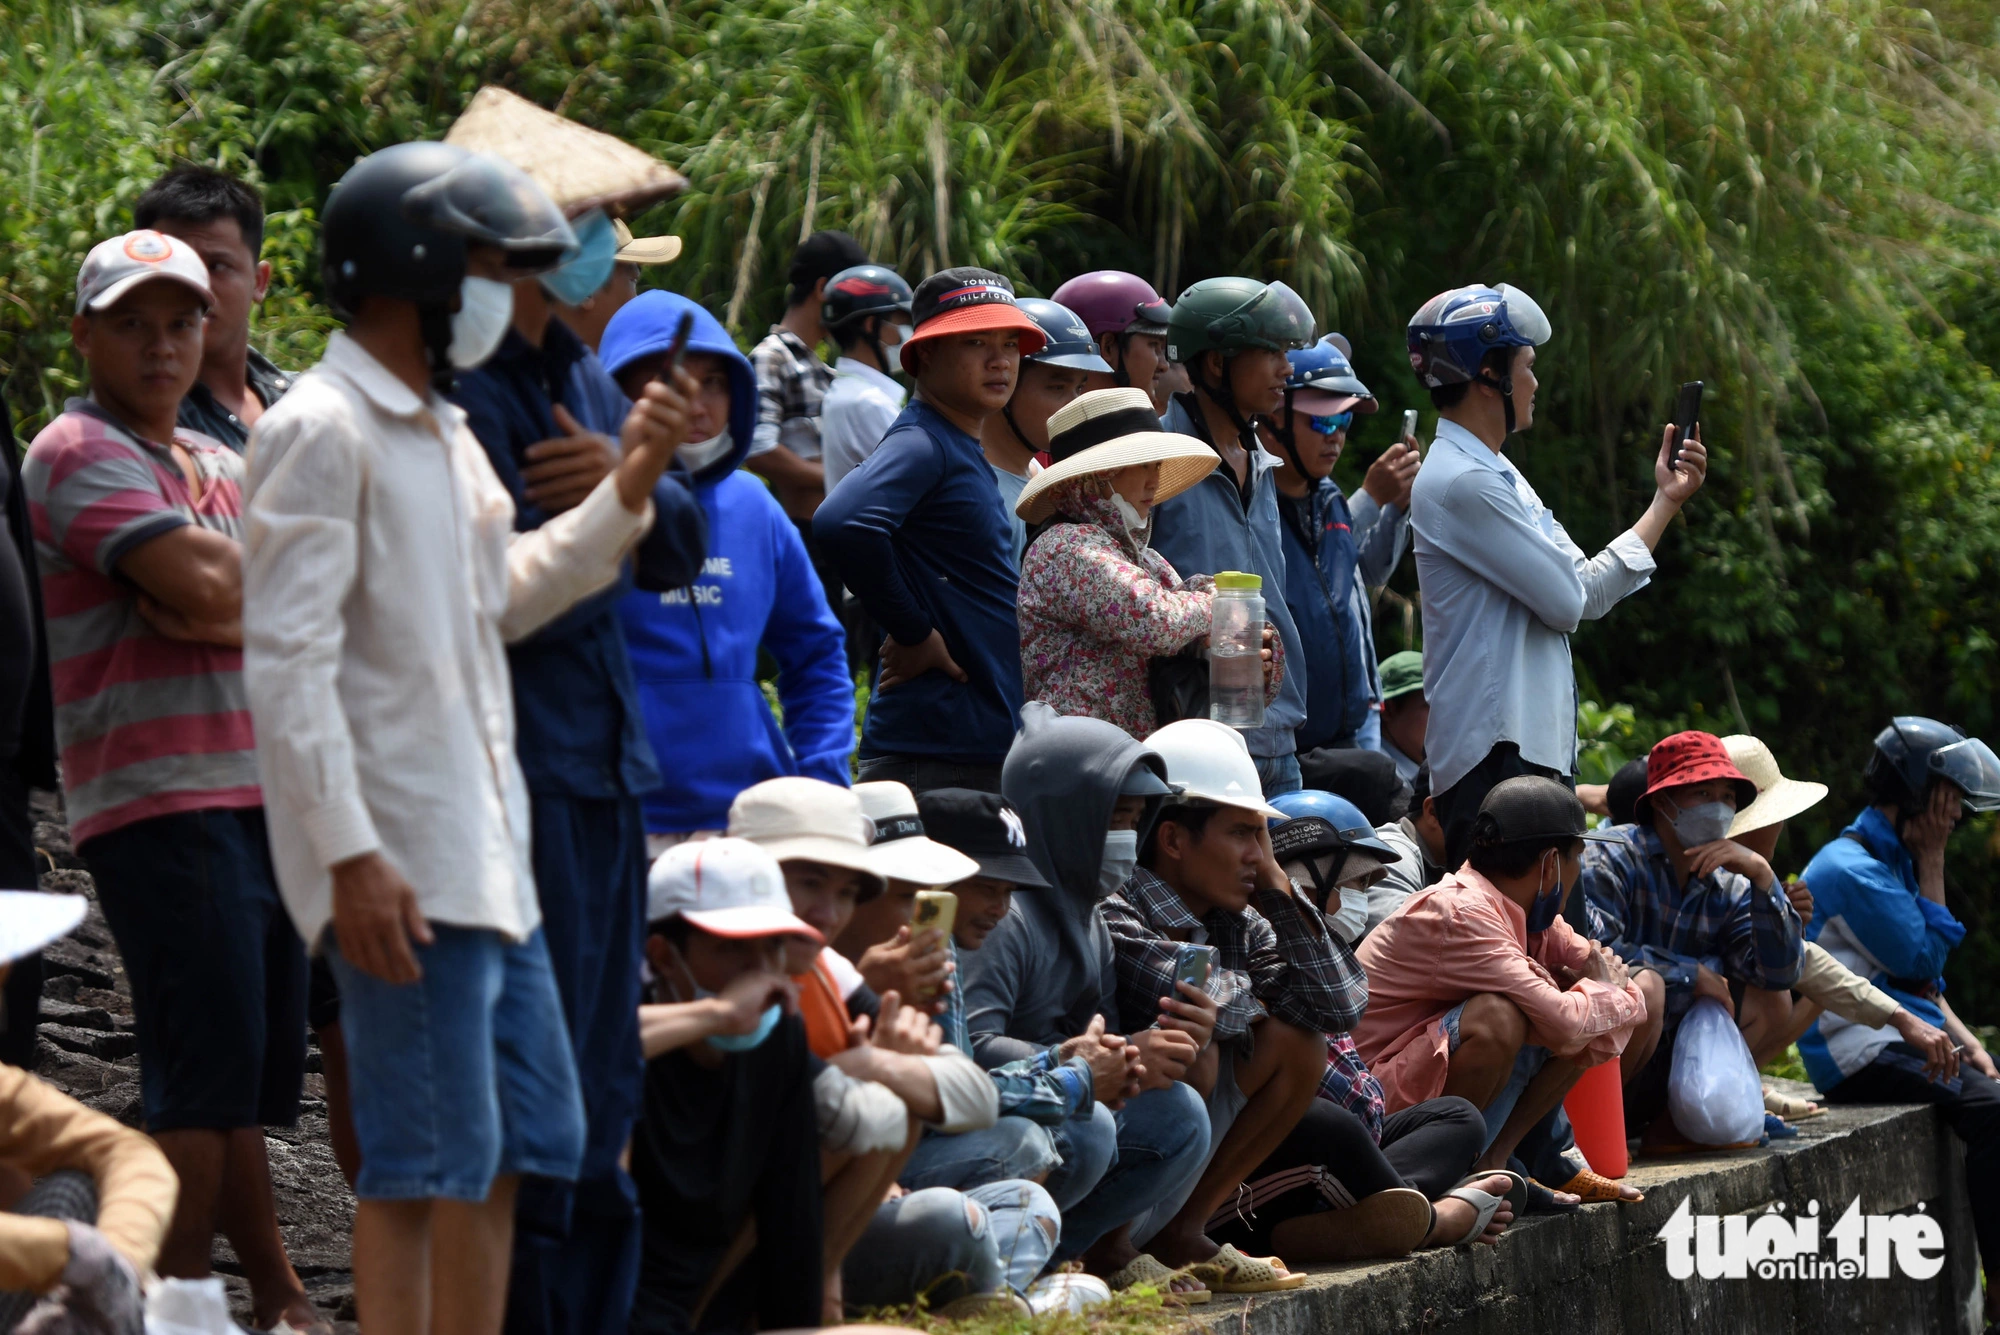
(581, 168)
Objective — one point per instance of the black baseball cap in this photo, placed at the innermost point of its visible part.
(1528, 809)
(984, 828)
(822, 255)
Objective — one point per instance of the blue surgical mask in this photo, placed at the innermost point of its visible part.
(1703, 824)
(1542, 913)
(767, 1022)
(577, 280)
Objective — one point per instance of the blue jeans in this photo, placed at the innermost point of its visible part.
(464, 1075)
(1158, 1145)
(1278, 774)
(1012, 1147)
(940, 1244)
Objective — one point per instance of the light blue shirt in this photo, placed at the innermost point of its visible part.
(1381, 535)
(1503, 587)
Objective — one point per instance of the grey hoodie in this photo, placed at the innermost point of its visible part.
(1048, 967)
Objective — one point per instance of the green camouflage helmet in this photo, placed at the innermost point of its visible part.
(1231, 314)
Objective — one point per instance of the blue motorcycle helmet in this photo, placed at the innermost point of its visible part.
(1449, 336)
(1317, 824)
(1322, 386)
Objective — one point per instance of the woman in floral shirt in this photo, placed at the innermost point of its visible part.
(1096, 603)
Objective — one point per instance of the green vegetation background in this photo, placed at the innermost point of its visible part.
(1793, 200)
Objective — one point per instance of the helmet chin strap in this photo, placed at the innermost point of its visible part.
(1226, 397)
(1015, 427)
(1288, 436)
(1119, 374)
(874, 336)
(434, 322)
(1504, 386)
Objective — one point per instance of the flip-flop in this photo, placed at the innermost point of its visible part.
(1487, 1205)
(1230, 1271)
(1789, 1108)
(1777, 1128)
(1516, 1194)
(1390, 1223)
(1145, 1268)
(1543, 1201)
(1597, 1189)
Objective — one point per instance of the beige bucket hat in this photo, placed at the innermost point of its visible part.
(1104, 431)
(643, 249)
(580, 168)
(808, 820)
(1778, 798)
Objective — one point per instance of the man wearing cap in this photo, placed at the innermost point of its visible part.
(867, 314)
(1683, 904)
(1477, 987)
(728, 1135)
(1406, 715)
(918, 534)
(1337, 547)
(587, 318)
(221, 218)
(1280, 980)
(1503, 584)
(139, 526)
(792, 380)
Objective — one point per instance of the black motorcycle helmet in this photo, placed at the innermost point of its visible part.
(855, 294)
(1913, 752)
(398, 224)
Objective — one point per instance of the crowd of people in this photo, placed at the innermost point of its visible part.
(483, 700)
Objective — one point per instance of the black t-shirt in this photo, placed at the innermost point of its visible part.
(715, 1148)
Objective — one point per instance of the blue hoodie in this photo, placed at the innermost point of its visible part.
(694, 649)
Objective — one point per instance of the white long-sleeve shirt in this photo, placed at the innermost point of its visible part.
(1503, 586)
(382, 578)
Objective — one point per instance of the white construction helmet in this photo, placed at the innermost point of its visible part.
(1209, 762)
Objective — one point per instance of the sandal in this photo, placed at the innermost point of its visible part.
(1597, 1189)
(1230, 1271)
(1485, 1202)
(1543, 1201)
(1146, 1269)
(1789, 1108)
(1516, 1194)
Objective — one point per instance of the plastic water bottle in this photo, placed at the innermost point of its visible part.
(1235, 650)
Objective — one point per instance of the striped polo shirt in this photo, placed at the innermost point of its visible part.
(147, 725)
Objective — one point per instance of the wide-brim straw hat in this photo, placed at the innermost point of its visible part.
(1778, 798)
(580, 168)
(1104, 431)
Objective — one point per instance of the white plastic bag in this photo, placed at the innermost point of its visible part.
(189, 1307)
(1713, 1090)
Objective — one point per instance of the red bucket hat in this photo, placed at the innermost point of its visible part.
(964, 301)
(1692, 757)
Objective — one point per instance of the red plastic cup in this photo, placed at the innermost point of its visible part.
(1596, 1108)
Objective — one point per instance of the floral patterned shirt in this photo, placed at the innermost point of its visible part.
(1096, 603)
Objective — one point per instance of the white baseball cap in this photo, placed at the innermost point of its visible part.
(729, 887)
(902, 851)
(1210, 762)
(115, 267)
(796, 819)
(30, 920)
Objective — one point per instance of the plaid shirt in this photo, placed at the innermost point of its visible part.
(1349, 1084)
(1277, 957)
(1633, 904)
(1043, 1088)
(791, 385)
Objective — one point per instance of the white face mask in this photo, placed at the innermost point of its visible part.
(485, 309)
(1121, 859)
(699, 454)
(1136, 524)
(891, 334)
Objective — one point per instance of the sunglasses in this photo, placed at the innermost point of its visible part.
(1326, 426)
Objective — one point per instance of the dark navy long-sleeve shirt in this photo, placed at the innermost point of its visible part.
(918, 532)
(579, 729)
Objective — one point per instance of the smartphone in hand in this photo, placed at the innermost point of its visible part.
(1687, 416)
(1409, 423)
(935, 908)
(1192, 964)
(682, 332)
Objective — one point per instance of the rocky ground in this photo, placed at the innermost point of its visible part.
(88, 1049)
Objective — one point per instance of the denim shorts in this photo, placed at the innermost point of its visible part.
(463, 1076)
(218, 972)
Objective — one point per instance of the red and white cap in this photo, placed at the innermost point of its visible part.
(729, 887)
(115, 267)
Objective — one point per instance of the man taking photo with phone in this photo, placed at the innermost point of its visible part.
(1503, 583)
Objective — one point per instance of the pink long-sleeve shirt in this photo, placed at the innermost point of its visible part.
(1455, 940)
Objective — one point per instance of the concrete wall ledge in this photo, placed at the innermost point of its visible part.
(1603, 1270)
